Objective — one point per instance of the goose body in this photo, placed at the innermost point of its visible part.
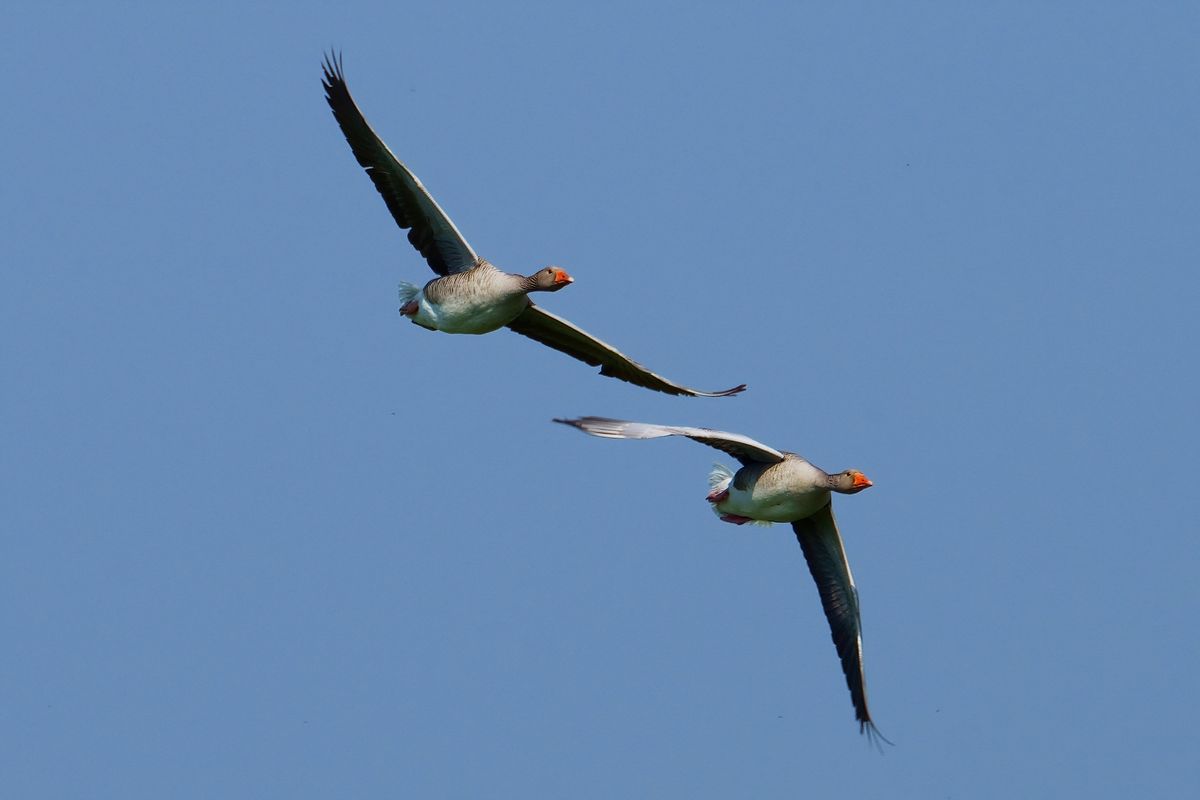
(781, 492)
(778, 486)
(479, 300)
(470, 295)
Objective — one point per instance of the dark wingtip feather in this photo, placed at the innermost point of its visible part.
(332, 66)
(731, 392)
(867, 727)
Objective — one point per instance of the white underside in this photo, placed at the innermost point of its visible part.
(464, 315)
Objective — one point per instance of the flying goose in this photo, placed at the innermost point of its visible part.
(778, 486)
(471, 295)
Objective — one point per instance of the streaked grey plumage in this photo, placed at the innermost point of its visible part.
(779, 486)
(467, 297)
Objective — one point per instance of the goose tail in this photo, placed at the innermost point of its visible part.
(408, 293)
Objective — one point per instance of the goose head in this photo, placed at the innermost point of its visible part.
(850, 481)
(550, 279)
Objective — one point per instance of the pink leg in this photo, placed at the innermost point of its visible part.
(735, 519)
(718, 495)
(409, 309)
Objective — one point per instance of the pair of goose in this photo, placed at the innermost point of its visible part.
(470, 295)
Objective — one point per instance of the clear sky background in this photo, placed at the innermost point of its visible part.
(264, 538)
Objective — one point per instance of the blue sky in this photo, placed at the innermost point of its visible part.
(263, 538)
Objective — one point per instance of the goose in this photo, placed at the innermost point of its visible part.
(778, 486)
(470, 295)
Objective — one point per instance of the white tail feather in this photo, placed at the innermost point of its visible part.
(720, 476)
(407, 292)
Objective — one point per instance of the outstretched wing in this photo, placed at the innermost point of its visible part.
(743, 448)
(822, 545)
(429, 229)
(552, 331)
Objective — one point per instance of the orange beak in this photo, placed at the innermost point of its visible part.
(561, 277)
(861, 481)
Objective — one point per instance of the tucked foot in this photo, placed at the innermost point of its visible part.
(409, 309)
(718, 496)
(735, 519)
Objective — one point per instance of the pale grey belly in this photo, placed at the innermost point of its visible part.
(772, 506)
(467, 315)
